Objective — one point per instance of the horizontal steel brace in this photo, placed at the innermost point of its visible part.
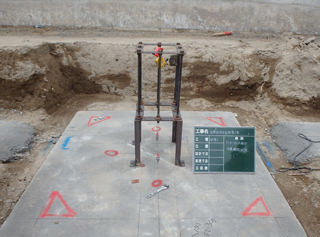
(155, 103)
(163, 118)
(162, 44)
(157, 52)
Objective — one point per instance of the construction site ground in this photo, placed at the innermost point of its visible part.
(47, 75)
(101, 195)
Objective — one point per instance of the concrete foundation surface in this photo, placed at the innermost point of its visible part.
(87, 188)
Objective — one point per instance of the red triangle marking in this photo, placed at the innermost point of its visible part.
(247, 212)
(221, 122)
(95, 122)
(53, 195)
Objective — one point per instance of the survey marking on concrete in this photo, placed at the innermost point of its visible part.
(247, 211)
(97, 119)
(156, 129)
(111, 152)
(156, 183)
(102, 196)
(135, 181)
(55, 194)
(217, 120)
(65, 143)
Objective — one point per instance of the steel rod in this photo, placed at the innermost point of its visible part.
(163, 44)
(155, 52)
(155, 103)
(178, 143)
(174, 131)
(137, 140)
(163, 118)
(159, 85)
(139, 81)
(179, 84)
(176, 81)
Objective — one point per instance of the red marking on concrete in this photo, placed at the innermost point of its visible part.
(97, 119)
(220, 122)
(142, 165)
(53, 195)
(156, 183)
(247, 212)
(135, 181)
(156, 129)
(111, 152)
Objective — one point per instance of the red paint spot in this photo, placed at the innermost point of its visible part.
(247, 212)
(111, 152)
(135, 181)
(220, 122)
(156, 129)
(53, 195)
(97, 119)
(156, 183)
(142, 165)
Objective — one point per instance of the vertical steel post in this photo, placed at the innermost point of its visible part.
(176, 82)
(139, 80)
(137, 140)
(176, 87)
(138, 119)
(178, 143)
(159, 84)
(174, 130)
(180, 56)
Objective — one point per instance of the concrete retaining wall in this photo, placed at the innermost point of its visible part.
(301, 16)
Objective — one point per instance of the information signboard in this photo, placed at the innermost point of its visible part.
(224, 149)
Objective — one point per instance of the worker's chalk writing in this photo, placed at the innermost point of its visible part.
(196, 228)
(65, 143)
(236, 143)
(204, 229)
(244, 150)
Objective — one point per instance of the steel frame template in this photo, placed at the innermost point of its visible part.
(175, 104)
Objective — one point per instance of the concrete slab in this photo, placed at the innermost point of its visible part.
(82, 190)
(286, 137)
(15, 139)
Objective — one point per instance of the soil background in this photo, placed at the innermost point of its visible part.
(47, 75)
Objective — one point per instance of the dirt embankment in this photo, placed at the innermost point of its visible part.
(47, 75)
(41, 77)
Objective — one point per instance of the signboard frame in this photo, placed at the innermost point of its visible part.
(224, 172)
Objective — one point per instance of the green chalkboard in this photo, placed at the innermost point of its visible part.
(224, 149)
